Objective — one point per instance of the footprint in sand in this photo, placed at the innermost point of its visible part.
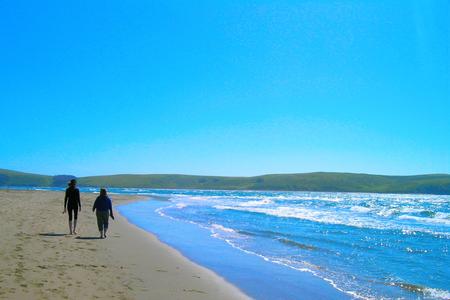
(194, 291)
(160, 270)
(38, 284)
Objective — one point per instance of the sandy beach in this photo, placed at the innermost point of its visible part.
(39, 260)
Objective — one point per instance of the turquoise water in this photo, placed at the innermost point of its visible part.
(348, 244)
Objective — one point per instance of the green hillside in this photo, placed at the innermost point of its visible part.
(319, 181)
(14, 178)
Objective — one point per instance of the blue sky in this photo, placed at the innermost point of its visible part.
(225, 87)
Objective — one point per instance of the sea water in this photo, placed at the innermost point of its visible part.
(277, 245)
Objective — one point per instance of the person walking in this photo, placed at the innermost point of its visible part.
(72, 204)
(103, 206)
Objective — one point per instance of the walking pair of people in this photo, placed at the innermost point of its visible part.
(102, 207)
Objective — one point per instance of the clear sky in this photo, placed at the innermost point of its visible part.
(225, 87)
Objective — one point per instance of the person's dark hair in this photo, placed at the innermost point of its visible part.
(72, 182)
(102, 192)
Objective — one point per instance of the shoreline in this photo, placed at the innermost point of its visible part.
(39, 260)
(249, 271)
(212, 281)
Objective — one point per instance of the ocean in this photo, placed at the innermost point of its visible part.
(307, 245)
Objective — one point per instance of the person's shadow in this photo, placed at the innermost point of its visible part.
(88, 238)
(52, 234)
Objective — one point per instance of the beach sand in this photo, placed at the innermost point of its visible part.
(38, 260)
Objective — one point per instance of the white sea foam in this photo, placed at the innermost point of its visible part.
(314, 198)
(441, 215)
(437, 293)
(198, 198)
(387, 212)
(435, 220)
(361, 209)
(411, 210)
(181, 205)
(255, 203)
(222, 228)
(342, 218)
(300, 213)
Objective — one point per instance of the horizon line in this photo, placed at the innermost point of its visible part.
(200, 175)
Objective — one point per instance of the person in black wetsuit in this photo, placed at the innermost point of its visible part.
(72, 204)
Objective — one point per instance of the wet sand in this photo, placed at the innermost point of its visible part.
(39, 260)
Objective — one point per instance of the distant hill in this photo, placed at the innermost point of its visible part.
(318, 181)
(14, 178)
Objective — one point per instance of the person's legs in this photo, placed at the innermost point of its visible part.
(69, 210)
(75, 217)
(100, 223)
(105, 223)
